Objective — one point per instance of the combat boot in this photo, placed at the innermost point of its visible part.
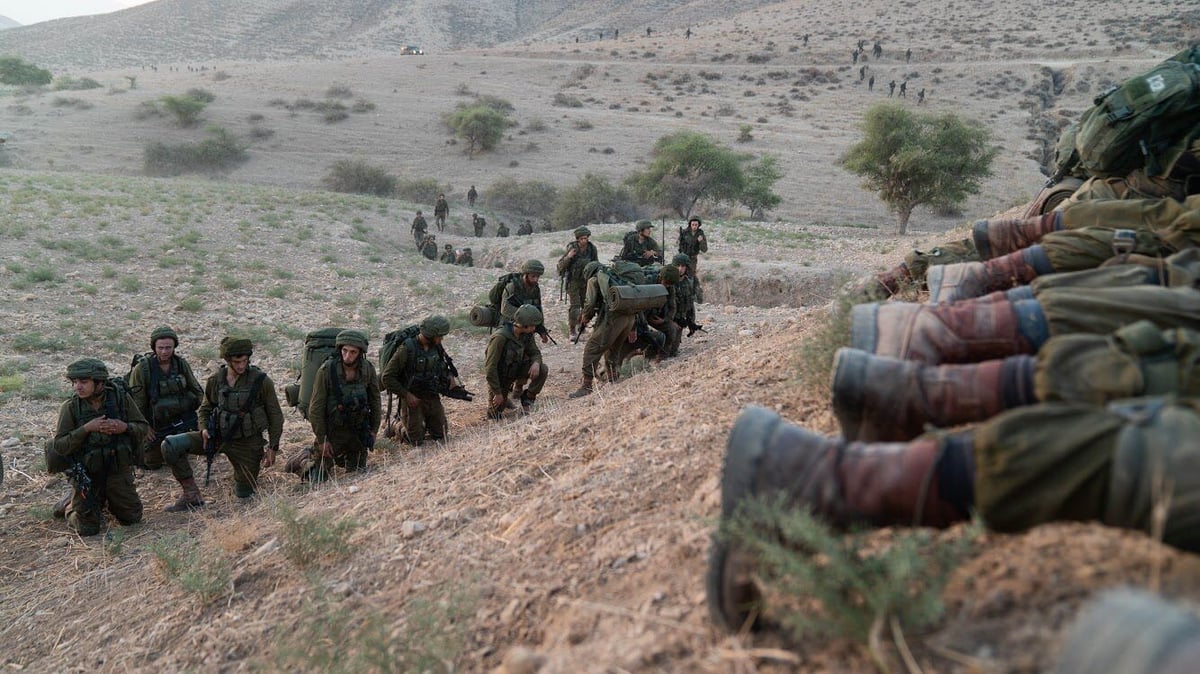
(964, 332)
(877, 399)
(60, 508)
(1002, 236)
(839, 482)
(527, 400)
(189, 500)
(585, 388)
(965, 280)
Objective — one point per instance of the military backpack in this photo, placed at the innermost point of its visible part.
(319, 345)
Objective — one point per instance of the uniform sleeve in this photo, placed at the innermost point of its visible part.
(69, 435)
(508, 302)
(139, 388)
(491, 363)
(316, 403)
(138, 426)
(270, 401)
(393, 372)
(193, 384)
(533, 352)
(703, 242)
(374, 397)
(592, 302)
(564, 262)
(209, 402)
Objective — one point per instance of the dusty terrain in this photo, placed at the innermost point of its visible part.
(578, 533)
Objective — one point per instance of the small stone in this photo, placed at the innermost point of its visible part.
(354, 489)
(10, 442)
(412, 528)
(521, 660)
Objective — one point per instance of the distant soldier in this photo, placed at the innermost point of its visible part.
(806, 39)
(854, 57)
(99, 431)
(524, 290)
(525, 228)
(862, 73)
(345, 411)
(891, 88)
(610, 330)
(166, 392)
(502, 230)
(648, 31)
(513, 363)
(441, 210)
(419, 229)
(429, 247)
(904, 89)
(877, 50)
(685, 296)
(570, 268)
(464, 258)
(663, 318)
(448, 255)
(417, 373)
(472, 195)
(687, 35)
(640, 246)
(907, 55)
(921, 96)
(478, 223)
(871, 83)
(692, 242)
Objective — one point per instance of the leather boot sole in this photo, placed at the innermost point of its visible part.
(849, 378)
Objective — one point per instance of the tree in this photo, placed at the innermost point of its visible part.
(480, 125)
(760, 178)
(592, 199)
(186, 109)
(688, 168)
(911, 159)
(16, 71)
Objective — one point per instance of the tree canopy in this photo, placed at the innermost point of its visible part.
(910, 158)
(16, 71)
(689, 168)
(758, 196)
(481, 125)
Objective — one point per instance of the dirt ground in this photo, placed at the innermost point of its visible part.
(573, 540)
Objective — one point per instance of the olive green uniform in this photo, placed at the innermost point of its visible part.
(349, 421)
(610, 329)
(465, 259)
(506, 364)
(635, 249)
(419, 229)
(572, 269)
(517, 294)
(429, 249)
(108, 459)
(242, 443)
(422, 372)
(692, 244)
(441, 211)
(448, 256)
(685, 302)
(502, 230)
(167, 398)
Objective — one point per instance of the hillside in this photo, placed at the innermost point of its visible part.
(6, 22)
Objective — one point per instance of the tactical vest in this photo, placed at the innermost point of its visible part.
(347, 404)
(102, 452)
(231, 400)
(513, 357)
(572, 268)
(427, 372)
(689, 244)
(170, 398)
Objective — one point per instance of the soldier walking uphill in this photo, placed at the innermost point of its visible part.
(477, 224)
(570, 269)
(99, 431)
(419, 229)
(525, 228)
(239, 406)
(513, 363)
(418, 372)
(502, 230)
(345, 411)
(441, 210)
(472, 195)
(525, 290)
(166, 392)
(640, 247)
(610, 330)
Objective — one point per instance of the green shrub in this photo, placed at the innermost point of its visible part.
(312, 540)
(530, 198)
(185, 108)
(15, 71)
(197, 569)
(480, 125)
(593, 199)
(67, 83)
(203, 95)
(339, 91)
(191, 304)
(71, 102)
(222, 151)
(419, 190)
(358, 177)
(745, 133)
(29, 342)
(129, 284)
(566, 101)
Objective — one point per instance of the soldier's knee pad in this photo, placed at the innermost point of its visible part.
(175, 448)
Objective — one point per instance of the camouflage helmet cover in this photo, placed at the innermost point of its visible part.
(236, 346)
(163, 332)
(435, 326)
(669, 275)
(87, 368)
(590, 269)
(680, 258)
(644, 224)
(533, 267)
(355, 338)
(582, 231)
(528, 315)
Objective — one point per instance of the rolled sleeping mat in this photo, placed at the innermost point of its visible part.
(484, 317)
(632, 299)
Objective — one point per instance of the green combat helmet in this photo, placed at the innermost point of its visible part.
(355, 338)
(163, 332)
(582, 231)
(527, 316)
(87, 368)
(236, 346)
(644, 224)
(435, 326)
(682, 259)
(533, 267)
(590, 269)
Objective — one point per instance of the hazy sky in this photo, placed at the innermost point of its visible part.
(26, 12)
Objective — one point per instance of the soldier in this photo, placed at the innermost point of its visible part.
(464, 258)
(419, 228)
(502, 230)
(513, 363)
(345, 411)
(570, 269)
(472, 195)
(1044, 463)
(663, 318)
(877, 50)
(908, 56)
(99, 432)
(871, 83)
(166, 392)
(921, 96)
(526, 228)
(611, 328)
(891, 88)
(692, 242)
(441, 210)
(429, 247)
(904, 89)
(478, 223)
(685, 300)
(448, 255)
(417, 373)
(876, 398)
(525, 290)
(640, 247)
(239, 406)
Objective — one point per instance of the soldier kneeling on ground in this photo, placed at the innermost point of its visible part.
(513, 363)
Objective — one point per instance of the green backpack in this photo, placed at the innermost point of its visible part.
(392, 341)
(1136, 124)
(318, 347)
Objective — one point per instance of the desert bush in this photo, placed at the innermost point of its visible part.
(745, 133)
(67, 83)
(339, 91)
(71, 102)
(147, 110)
(29, 342)
(220, 76)
(261, 132)
(333, 116)
(495, 103)
(532, 198)
(537, 124)
(481, 126)
(362, 105)
(593, 199)
(16, 71)
(185, 109)
(312, 540)
(197, 569)
(221, 151)
(758, 58)
(566, 101)
(356, 176)
(201, 95)
(419, 190)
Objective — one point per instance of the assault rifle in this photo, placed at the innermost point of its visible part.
(212, 445)
(694, 327)
(83, 484)
(459, 392)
